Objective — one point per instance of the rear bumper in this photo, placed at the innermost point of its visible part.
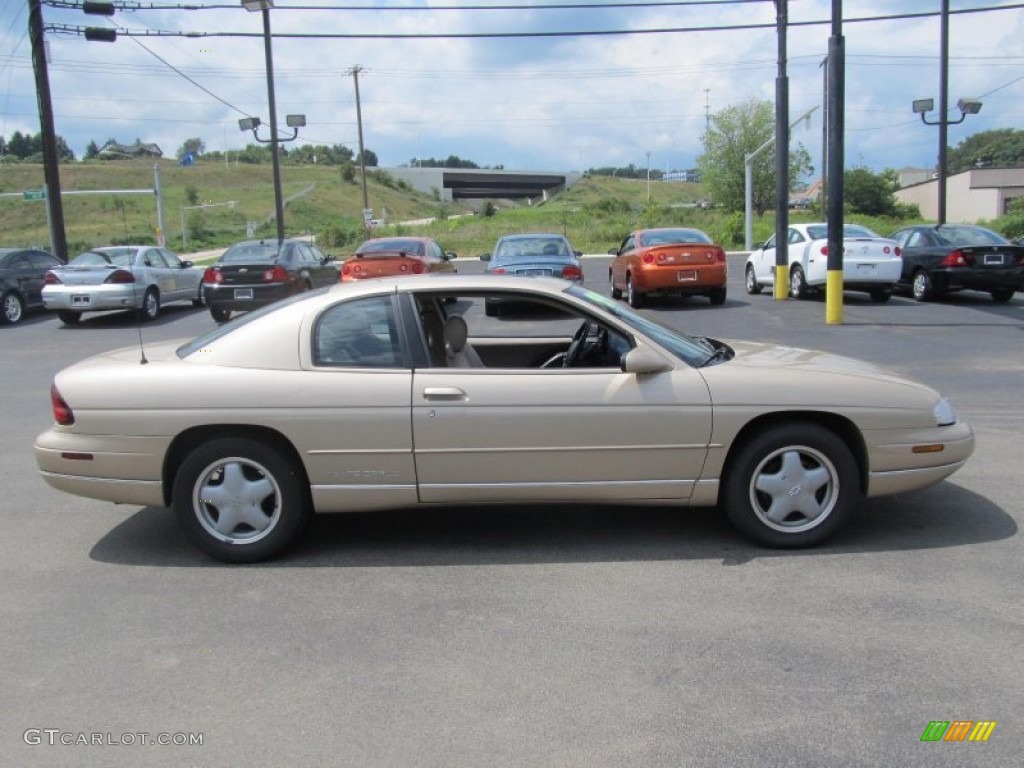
(86, 298)
(955, 279)
(231, 297)
(679, 278)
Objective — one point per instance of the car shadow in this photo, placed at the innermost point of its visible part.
(946, 515)
(127, 318)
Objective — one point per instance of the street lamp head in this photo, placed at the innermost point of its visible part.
(248, 124)
(295, 121)
(923, 105)
(257, 5)
(969, 106)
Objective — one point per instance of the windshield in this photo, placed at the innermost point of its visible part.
(120, 257)
(391, 245)
(199, 343)
(687, 348)
(820, 231)
(956, 235)
(249, 252)
(532, 248)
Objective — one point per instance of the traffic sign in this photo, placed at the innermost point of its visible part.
(34, 194)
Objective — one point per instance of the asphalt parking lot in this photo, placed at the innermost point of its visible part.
(539, 636)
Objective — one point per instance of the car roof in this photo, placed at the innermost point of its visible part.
(533, 236)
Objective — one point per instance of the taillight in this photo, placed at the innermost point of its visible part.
(276, 275)
(572, 272)
(647, 258)
(956, 259)
(885, 249)
(498, 271)
(720, 256)
(51, 279)
(417, 267)
(62, 413)
(213, 275)
(898, 251)
(120, 276)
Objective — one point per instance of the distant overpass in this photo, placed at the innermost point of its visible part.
(477, 183)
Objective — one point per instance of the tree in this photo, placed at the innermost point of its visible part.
(370, 158)
(871, 194)
(194, 147)
(734, 133)
(1001, 148)
(92, 150)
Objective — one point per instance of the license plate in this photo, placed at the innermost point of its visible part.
(866, 269)
(994, 259)
(243, 293)
(535, 272)
(80, 300)
(686, 275)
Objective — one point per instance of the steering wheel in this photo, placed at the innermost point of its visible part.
(576, 346)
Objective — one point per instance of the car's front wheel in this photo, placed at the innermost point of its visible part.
(792, 485)
(13, 308)
(921, 286)
(751, 280)
(239, 499)
(616, 293)
(1001, 295)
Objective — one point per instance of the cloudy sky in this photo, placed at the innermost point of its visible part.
(551, 102)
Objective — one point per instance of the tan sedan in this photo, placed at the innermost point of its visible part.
(401, 392)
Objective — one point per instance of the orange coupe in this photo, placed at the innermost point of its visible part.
(672, 261)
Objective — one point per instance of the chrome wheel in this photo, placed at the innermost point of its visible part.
(922, 286)
(751, 281)
(150, 305)
(236, 500)
(13, 308)
(794, 489)
(797, 286)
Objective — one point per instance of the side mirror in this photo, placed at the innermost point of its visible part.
(642, 360)
(450, 255)
(578, 254)
(613, 251)
(485, 257)
(187, 264)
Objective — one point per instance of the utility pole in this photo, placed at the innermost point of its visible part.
(367, 213)
(836, 152)
(51, 169)
(781, 158)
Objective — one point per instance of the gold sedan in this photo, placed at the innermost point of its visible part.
(402, 392)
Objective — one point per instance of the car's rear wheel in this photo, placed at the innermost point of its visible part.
(68, 317)
(792, 485)
(921, 286)
(717, 296)
(634, 298)
(616, 293)
(880, 295)
(150, 305)
(1001, 295)
(219, 314)
(751, 281)
(13, 308)
(198, 301)
(797, 283)
(239, 499)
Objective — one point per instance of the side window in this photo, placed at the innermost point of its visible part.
(916, 240)
(304, 254)
(628, 244)
(152, 258)
(43, 260)
(769, 243)
(361, 333)
(20, 262)
(171, 260)
(795, 236)
(435, 252)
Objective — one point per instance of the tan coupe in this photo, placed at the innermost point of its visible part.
(400, 392)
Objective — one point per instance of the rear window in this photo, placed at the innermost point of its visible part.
(965, 236)
(391, 246)
(121, 257)
(249, 252)
(820, 231)
(672, 236)
(527, 248)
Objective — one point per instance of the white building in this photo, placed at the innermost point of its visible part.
(974, 195)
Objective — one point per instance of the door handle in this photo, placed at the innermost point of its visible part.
(444, 393)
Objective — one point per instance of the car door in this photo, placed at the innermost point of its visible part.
(158, 274)
(186, 284)
(547, 434)
(20, 274)
(764, 262)
(358, 450)
(621, 262)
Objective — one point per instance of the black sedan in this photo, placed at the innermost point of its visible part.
(21, 281)
(533, 254)
(953, 257)
(255, 273)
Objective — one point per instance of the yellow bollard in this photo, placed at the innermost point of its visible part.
(781, 282)
(834, 297)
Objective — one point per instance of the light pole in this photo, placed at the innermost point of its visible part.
(251, 123)
(966, 107)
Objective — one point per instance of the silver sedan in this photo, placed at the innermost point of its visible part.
(139, 277)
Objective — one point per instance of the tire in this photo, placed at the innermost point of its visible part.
(13, 308)
(717, 296)
(880, 295)
(262, 501)
(199, 301)
(635, 299)
(616, 293)
(68, 317)
(921, 287)
(219, 314)
(999, 295)
(753, 287)
(150, 309)
(797, 283)
(806, 472)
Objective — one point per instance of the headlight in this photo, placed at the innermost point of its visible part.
(944, 413)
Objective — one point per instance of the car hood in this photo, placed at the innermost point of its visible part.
(768, 374)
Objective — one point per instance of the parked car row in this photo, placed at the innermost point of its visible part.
(925, 261)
